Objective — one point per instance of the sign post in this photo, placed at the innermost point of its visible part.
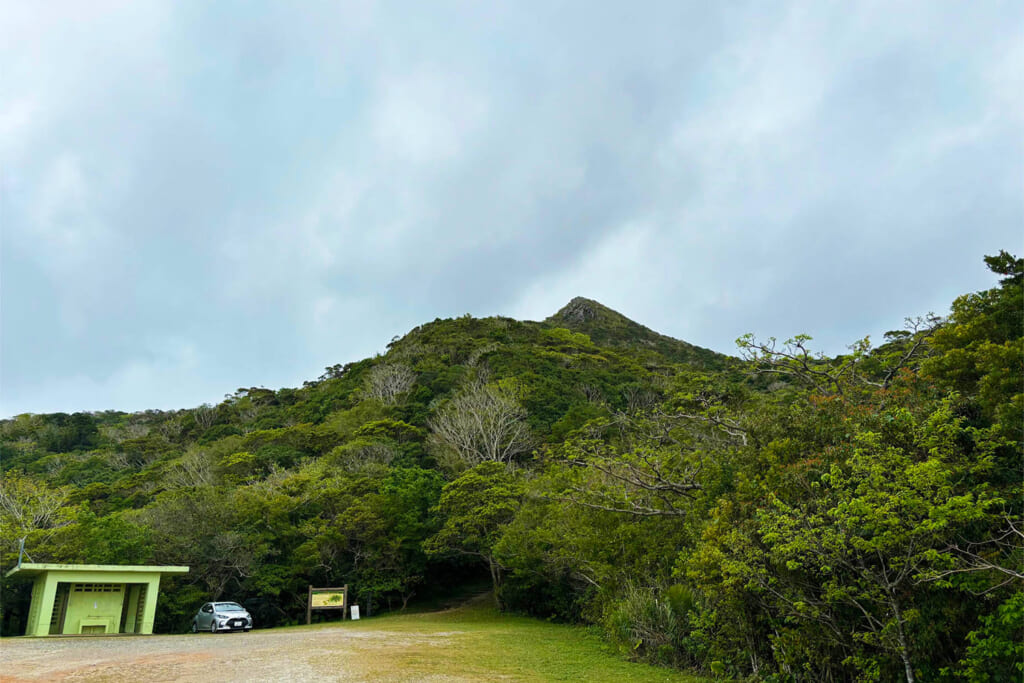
(326, 598)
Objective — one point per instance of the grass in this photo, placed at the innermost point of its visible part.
(476, 642)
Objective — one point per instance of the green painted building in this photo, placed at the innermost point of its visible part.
(92, 598)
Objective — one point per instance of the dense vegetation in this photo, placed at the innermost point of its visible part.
(779, 516)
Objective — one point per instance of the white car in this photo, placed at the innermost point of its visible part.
(222, 616)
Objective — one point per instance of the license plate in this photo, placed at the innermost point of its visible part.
(237, 622)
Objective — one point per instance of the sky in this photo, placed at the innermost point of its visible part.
(197, 197)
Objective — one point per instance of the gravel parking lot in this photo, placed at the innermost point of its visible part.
(318, 654)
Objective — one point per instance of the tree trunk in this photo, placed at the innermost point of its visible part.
(904, 650)
(495, 579)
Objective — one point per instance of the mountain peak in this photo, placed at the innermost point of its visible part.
(580, 310)
(607, 327)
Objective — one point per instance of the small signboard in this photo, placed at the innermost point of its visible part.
(354, 610)
(326, 598)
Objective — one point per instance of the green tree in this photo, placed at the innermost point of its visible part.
(475, 509)
(872, 527)
(996, 650)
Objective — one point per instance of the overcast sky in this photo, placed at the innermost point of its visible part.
(199, 196)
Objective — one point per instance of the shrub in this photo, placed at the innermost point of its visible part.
(646, 626)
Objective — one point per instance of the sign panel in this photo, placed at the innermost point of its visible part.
(328, 599)
(355, 612)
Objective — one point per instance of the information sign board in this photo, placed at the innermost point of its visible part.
(326, 598)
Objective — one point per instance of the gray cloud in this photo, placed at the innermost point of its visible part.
(197, 198)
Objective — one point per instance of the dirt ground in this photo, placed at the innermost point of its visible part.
(324, 654)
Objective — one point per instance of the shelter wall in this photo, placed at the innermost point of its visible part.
(94, 605)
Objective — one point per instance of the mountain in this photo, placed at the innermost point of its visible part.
(609, 328)
(591, 470)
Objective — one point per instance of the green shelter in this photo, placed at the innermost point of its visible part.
(92, 598)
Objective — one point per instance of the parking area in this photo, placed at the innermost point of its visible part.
(296, 654)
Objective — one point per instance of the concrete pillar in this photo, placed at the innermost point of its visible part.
(149, 611)
(132, 599)
(33, 612)
(41, 627)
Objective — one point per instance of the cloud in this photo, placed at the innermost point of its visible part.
(174, 365)
(425, 117)
(289, 189)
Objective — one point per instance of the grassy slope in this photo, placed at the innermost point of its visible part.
(478, 643)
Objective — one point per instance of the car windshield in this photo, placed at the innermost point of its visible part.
(228, 606)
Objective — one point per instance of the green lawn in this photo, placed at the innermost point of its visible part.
(476, 642)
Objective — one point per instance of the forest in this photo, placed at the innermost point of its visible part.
(777, 515)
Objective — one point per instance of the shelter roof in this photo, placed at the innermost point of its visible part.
(30, 569)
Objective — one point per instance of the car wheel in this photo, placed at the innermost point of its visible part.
(195, 626)
(213, 626)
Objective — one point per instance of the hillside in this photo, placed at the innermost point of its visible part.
(715, 514)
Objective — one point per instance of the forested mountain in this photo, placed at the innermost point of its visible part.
(780, 515)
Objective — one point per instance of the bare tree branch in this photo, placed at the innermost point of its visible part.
(482, 424)
(1007, 542)
(648, 474)
(388, 381)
